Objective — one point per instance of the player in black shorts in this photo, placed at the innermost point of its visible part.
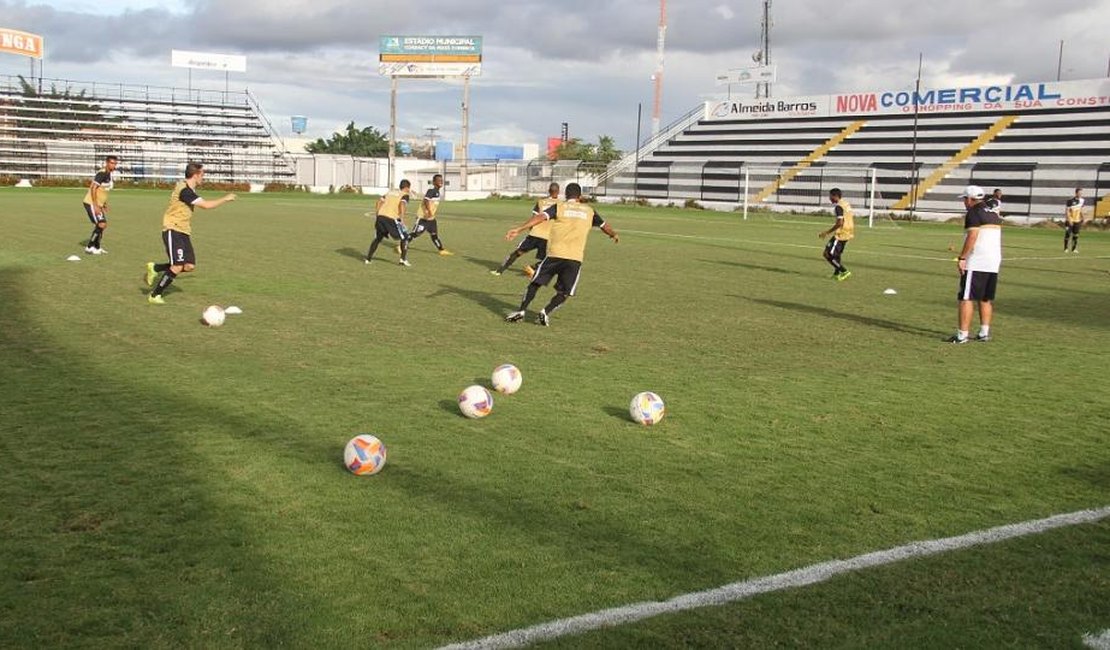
(429, 208)
(96, 204)
(177, 229)
(537, 237)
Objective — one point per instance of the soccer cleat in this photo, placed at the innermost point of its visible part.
(529, 271)
(514, 317)
(446, 253)
(89, 250)
(99, 251)
(983, 339)
(365, 261)
(151, 275)
(495, 272)
(404, 262)
(156, 300)
(543, 319)
(955, 338)
(840, 277)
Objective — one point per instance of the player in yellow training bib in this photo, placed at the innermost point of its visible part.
(429, 208)
(536, 239)
(390, 212)
(96, 204)
(1073, 220)
(842, 232)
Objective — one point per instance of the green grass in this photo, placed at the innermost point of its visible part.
(170, 485)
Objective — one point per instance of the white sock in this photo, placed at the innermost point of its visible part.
(984, 330)
(961, 334)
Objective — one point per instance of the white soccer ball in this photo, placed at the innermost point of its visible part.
(475, 402)
(646, 408)
(506, 379)
(213, 316)
(364, 455)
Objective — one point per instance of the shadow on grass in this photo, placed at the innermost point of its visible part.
(451, 406)
(489, 265)
(618, 413)
(352, 253)
(487, 300)
(755, 267)
(126, 529)
(880, 323)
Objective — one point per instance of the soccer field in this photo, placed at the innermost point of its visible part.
(171, 485)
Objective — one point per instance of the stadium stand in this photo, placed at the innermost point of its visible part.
(54, 128)
(1035, 151)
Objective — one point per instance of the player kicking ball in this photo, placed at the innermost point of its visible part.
(842, 232)
(571, 222)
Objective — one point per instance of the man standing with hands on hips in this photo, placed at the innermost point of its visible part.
(978, 263)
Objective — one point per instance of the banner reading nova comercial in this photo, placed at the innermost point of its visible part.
(430, 56)
(1006, 97)
(14, 41)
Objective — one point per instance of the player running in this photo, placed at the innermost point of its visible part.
(428, 209)
(842, 232)
(571, 222)
(96, 204)
(389, 222)
(537, 236)
(177, 231)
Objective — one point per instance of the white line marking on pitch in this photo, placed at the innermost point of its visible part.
(809, 575)
(1100, 642)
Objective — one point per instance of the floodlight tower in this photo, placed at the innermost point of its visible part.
(763, 56)
(658, 76)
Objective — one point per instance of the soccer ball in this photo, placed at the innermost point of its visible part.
(475, 402)
(646, 408)
(506, 379)
(213, 316)
(364, 455)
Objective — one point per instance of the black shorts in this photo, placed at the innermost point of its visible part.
(389, 227)
(1073, 227)
(565, 271)
(977, 285)
(835, 247)
(93, 216)
(531, 243)
(179, 247)
(426, 225)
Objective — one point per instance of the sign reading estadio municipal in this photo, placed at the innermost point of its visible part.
(14, 41)
(1012, 97)
(430, 56)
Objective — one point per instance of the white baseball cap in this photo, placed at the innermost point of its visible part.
(973, 192)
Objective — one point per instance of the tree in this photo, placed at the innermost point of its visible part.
(366, 142)
(574, 149)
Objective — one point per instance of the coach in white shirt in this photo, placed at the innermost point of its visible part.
(978, 263)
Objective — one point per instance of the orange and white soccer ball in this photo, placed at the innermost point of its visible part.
(475, 402)
(647, 408)
(506, 379)
(364, 455)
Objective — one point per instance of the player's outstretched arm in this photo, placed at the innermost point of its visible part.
(209, 205)
(536, 218)
(608, 230)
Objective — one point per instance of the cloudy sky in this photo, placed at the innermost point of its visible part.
(583, 62)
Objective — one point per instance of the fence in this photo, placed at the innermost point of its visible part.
(1029, 190)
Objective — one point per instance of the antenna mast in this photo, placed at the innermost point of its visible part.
(763, 56)
(658, 76)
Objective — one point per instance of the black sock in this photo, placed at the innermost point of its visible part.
(529, 295)
(94, 238)
(508, 261)
(373, 247)
(404, 248)
(556, 301)
(163, 267)
(436, 241)
(163, 282)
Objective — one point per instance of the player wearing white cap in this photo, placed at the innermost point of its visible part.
(978, 263)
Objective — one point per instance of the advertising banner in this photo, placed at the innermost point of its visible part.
(1010, 98)
(430, 56)
(208, 61)
(14, 41)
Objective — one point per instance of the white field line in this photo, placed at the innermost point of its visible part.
(809, 575)
(855, 251)
(1100, 642)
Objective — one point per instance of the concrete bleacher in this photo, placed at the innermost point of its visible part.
(63, 129)
(1037, 156)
